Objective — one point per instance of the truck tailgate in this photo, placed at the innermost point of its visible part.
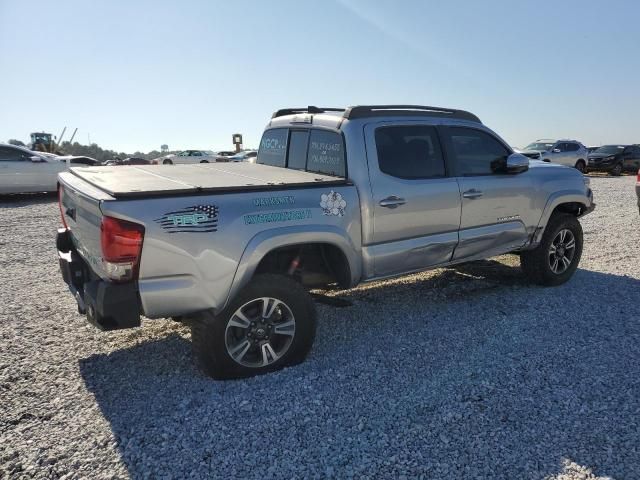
(80, 208)
(163, 180)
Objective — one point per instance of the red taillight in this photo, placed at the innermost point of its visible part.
(154, 162)
(60, 194)
(121, 243)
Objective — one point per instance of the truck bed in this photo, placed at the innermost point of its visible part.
(163, 180)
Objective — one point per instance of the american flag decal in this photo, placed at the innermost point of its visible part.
(195, 219)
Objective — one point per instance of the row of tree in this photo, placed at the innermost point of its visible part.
(95, 151)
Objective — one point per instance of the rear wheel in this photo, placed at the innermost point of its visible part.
(556, 259)
(581, 166)
(617, 170)
(167, 162)
(204, 161)
(271, 324)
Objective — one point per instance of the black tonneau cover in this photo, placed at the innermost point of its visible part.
(162, 180)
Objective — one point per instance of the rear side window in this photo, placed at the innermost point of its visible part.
(273, 148)
(409, 152)
(476, 152)
(326, 153)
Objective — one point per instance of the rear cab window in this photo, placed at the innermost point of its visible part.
(311, 150)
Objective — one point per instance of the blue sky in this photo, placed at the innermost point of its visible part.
(132, 75)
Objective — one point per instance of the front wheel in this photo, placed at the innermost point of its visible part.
(167, 162)
(581, 166)
(556, 259)
(271, 324)
(617, 170)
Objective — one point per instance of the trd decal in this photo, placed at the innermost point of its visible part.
(195, 219)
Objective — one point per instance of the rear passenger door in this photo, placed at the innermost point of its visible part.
(496, 207)
(416, 205)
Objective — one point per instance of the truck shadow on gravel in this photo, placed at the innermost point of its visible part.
(461, 373)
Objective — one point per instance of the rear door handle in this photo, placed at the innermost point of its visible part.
(392, 202)
(473, 193)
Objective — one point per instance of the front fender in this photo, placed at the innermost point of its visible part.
(556, 199)
(266, 241)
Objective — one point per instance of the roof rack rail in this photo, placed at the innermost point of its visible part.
(309, 109)
(364, 111)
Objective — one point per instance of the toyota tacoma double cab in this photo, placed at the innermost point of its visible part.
(336, 197)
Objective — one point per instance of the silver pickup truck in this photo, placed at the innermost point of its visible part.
(336, 197)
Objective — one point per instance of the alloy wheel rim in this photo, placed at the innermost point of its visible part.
(260, 332)
(562, 251)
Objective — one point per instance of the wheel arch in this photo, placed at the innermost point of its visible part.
(263, 247)
(572, 202)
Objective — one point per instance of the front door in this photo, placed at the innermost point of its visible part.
(495, 206)
(416, 204)
(15, 169)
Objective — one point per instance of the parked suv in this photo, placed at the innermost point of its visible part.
(565, 152)
(335, 198)
(614, 159)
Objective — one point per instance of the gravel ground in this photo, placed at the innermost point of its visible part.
(453, 373)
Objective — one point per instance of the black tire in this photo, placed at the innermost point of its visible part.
(581, 166)
(210, 333)
(537, 263)
(204, 161)
(617, 170)
(167, 162)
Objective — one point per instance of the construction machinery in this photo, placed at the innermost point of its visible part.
(45, 142)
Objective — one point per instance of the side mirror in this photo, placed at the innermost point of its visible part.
(555, 150)
(517, 163)
(37, 159)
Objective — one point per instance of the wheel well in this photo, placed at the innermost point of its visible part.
(574, 208)
(312, 264)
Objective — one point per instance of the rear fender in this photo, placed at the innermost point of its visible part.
(268, 240)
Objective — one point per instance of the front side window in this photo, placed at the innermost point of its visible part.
(476, 152)
(273, 148)
(409, 151)
(12, 155)
(572, 147)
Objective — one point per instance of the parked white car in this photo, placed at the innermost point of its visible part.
(244, 156)
(24, 171)
(188, 156)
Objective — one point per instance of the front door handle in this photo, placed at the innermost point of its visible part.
(473, 193)
(392, 202)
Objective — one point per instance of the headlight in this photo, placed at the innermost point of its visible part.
(586, 180)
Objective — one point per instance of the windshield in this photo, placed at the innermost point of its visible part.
(539, 146)
(610, 149)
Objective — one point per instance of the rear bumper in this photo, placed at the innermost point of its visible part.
(107, 305)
